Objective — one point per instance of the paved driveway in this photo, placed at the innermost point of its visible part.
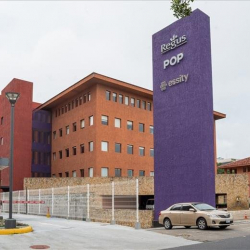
(70, 234)
(239, 229)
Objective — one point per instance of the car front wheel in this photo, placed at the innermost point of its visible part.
(167, 224)
(202, 224)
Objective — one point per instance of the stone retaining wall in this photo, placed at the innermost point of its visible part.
(237, 189)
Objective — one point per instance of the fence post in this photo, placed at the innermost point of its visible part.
(39, 206)
(137, 224)
(113, 203)
(52, 201)
(26, 199)
(28, 195)
(68, 203)
(87, 219)
(18, 206)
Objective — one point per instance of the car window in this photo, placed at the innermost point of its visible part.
(186, 207)
(203, 206)
(176, 207)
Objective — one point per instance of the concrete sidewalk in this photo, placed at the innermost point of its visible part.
(71, 234)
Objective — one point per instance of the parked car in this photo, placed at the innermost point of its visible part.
(194, 214)
(150, 204)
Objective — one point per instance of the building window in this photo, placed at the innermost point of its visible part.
(74, 126)
(141, 151)
(130, 149)
(67, 152)
(54, 134)
(60, 154)
(104, 172)
(2, 120)
(138, 103)
(84, 98)
(82, 123)
(151, 152)
(80, 100)
(130, 172)
(118, 172)
(91, 120)
(60, 174)
(1, 141)
(89, 96)
(141, 127)
(104, 146)
(60, 132)
(82, 172)
(82, 148)
(126, 100)
(54, 156)
(149, 106)
(132, 101)
(62, 110)
(91, 172)
(76, 102)
(129, 125)
(121, 99)
(74, 150)
(117, 123)
(108, 95)
(67, 130)
(143, 105)
(114, 97)
(244, 169)
(104, 120)
(118, 147)
(141, 173)
(152, 173)
(151, 130)
(91, 146)
(74, 173)
(66, 174)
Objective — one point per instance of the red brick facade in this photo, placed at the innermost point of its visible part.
(22, 133)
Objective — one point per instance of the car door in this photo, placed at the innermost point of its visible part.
(187, 217)
(175, 215)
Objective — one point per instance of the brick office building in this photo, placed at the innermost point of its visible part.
(101, 127)
(22, 133)
(97, 127)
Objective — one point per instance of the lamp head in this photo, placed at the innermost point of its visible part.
(12, 97)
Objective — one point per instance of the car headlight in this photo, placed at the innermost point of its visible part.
(213, 216)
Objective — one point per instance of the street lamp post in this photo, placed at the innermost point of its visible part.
(12, 97)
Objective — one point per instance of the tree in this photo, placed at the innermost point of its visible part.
(181, 8)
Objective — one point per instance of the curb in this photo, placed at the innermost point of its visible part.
(16, 230)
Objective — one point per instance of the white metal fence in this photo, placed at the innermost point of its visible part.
(110, 202)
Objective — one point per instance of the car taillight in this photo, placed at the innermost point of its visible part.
(159, 213)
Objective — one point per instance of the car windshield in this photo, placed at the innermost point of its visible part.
(203, 206)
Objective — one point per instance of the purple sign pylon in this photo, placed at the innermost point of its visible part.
(183, 113)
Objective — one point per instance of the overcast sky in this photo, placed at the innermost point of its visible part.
(55, 44)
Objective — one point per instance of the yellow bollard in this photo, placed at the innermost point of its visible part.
(48, 214)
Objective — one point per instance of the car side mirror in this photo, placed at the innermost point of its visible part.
(191, 210)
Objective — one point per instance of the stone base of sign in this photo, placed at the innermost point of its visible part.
(112, 222)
